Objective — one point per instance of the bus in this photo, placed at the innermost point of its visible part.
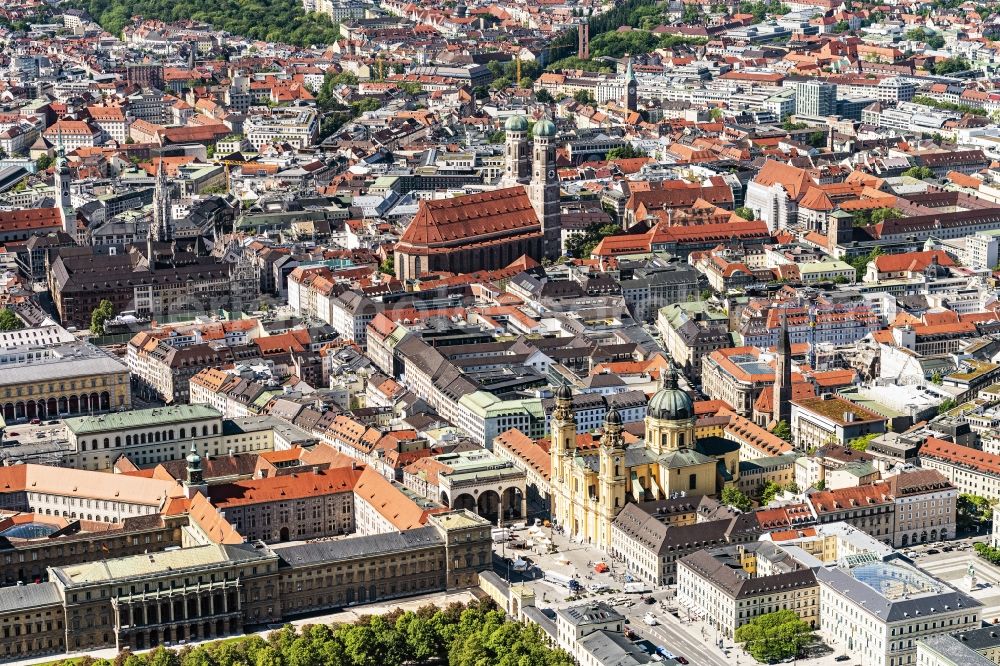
(562, 580)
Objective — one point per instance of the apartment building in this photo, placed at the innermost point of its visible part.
(161, 434)
(293, 125)
(926, 507)
(877, 611)
(729, 587)
(828, 419)
(970, 470)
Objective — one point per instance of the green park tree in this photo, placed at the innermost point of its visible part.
(775, 636)
(768, 492)
(10, 321)
(973, 510)
(625, 152)
(921, 172)
(861, 443)
(732, 496)
(100, 316)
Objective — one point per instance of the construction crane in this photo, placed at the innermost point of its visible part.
(228, 164)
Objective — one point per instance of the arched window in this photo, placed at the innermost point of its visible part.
(143, 438)
(204, 431)
(170, 434)
(118, 441)
(107, 443)
(182, 433)
(215, 429)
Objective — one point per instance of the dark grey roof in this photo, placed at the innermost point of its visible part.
(626, 399)
(592, 613)
(955, 650)
(980, 639)
(580, 401)
(636, 521)
(535, 615)
(610, 648)
(721, 568)
(21, 597)
(928, 605)
(683, 458)
(353, 547)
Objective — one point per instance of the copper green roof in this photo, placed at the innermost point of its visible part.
(140, 418)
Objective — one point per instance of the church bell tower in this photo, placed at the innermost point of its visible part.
(543, 191)
(611, 474)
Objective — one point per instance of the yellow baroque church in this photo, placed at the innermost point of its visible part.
(588, 489)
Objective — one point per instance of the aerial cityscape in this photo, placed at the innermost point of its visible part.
(372, 333)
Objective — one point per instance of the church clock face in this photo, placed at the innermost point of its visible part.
(552, 174)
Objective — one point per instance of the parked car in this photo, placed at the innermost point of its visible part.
(650, 619)
(933, 551)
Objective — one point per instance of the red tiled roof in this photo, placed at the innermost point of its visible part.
(212, 523)
(461, 220)
(30, 219)
(830, 501)
(527, 450)
(961, 455)
(284, 488)
(793, 179)
(911, 261)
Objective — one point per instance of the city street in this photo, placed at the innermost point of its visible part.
(675, 630)
(951, 567)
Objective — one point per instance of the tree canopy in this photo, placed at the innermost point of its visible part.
(769, 491)
(973, 510)
(733, 497)
(951, 65)
(625, 152)
(457, 635)
(581, 245)
(761, 9)
(270, 20)
(864, 217)
(949, 106)
(921, 172)
(861, 443)
(860, 263)
(100, 316)
(10, 321)
(775, 636)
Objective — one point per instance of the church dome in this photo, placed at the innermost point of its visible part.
(545, 128)
(194, 460)
(613, 417)
(670, 403)
(564, 393)
(516, 124)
